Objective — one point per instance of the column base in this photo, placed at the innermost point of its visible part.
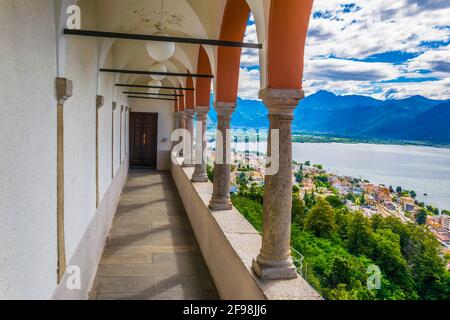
(284, 270)
(202, 177)
(220, 204)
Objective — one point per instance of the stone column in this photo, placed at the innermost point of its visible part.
(177, 120)
(274, 260)
(182, 125)
(221, 199)
(100, 100)
(200, 173)
(188, 160)
(64, 89)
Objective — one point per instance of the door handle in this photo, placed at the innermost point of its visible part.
(145, 139)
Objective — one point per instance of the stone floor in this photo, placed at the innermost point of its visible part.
(151, 252)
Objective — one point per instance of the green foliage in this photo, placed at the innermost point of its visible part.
(358, 234)
(321, 181)
(421, 217)
(299, 177)
(318, 166)
(308, 163)
(298, 210)
(320, 220)
(335, 201)
(210, 172)
(339, 246)
(250, 209)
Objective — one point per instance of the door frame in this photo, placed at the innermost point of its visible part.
(131, 127)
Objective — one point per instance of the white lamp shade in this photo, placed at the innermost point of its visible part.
(158, 67)
(155, 83)
(160, 50)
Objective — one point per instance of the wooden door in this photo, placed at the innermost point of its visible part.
(143, 139)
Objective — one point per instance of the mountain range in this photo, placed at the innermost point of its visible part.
(412, 119)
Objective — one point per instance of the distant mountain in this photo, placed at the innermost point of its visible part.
(415, 118)
(432, 125)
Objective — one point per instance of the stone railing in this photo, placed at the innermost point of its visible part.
(229, 243)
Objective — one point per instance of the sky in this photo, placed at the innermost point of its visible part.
(381, 48)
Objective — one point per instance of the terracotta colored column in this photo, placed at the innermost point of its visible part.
(64, 90)
(200, 173)
(274, 260)
(99, 104)
(221, 199)
(189, 120)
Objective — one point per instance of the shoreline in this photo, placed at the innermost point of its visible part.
(298, 137)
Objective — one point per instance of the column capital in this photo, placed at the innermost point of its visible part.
(224, 109)
(202, 109)
(281, 101)
(202, 113)
(100, 101)
(64, 90)
(114, 106)
(190, 113)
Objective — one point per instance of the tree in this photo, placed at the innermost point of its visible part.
(308, 163)
(298, 210)
(210, 172)
(413, 194)
(399, 190)
(421, 217)
(359, 234)
(386, 253)
(321, 220)
(335, 201)
(299, 176)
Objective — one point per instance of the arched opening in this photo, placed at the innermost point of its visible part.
(234, 23)
(288, 26)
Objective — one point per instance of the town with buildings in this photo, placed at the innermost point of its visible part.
(357, 194)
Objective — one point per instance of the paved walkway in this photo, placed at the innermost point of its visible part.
(151, 252)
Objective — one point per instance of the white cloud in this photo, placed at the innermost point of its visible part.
(343, 32)
(436, 61)
(249, 84)
(349, 70)
(377, 26)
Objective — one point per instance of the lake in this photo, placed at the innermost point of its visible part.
(418, 168)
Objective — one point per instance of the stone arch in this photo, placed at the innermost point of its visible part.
(288, 26)
(203, 85)
(189, 95)
(234, 24)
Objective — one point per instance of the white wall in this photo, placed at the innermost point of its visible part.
(28, 68)
(79, 130)
(164, 109)
(28, 259)
(105, 129)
